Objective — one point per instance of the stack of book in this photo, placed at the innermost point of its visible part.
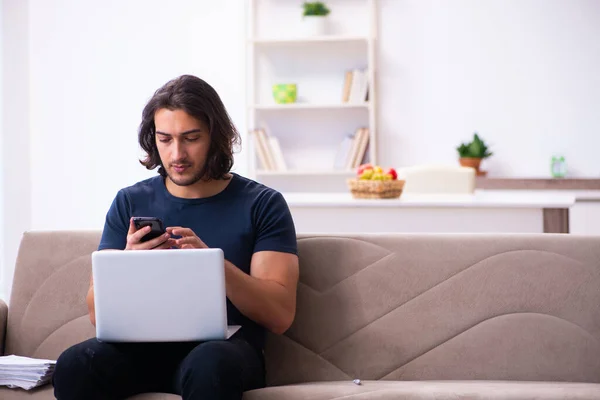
(268, 151)
(24, 372)
(356, 86)
(353, 150)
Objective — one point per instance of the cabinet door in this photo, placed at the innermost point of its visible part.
(584, 218)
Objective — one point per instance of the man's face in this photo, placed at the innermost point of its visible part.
(182, 143)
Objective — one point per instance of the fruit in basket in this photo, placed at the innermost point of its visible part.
(377, 176)
(392, 172)
(375, 173)
(374, 182)
(363, 168)
(367, 174)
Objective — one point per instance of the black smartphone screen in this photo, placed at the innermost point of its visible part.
(156, 224)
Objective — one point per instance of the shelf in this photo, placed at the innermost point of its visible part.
(306, 172)
(314, 134)
(309, 106)
(316, 39)
(538, 183)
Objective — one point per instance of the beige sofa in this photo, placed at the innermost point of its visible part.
(411, 316)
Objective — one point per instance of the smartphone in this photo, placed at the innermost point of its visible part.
(156, 224)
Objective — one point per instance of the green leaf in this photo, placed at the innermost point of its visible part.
(315, 8)
(474, 149)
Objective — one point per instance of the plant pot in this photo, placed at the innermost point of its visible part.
(285, 93)
(314, 25)
(471, 162)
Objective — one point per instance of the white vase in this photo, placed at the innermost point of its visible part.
(314, 25)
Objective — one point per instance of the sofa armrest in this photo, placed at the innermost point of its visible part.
(3, 319)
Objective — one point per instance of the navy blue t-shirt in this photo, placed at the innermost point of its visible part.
(244, 218)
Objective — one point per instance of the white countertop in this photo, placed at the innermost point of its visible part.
(480, 199)
(580, 195)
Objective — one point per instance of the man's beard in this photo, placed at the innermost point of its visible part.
(186, 181)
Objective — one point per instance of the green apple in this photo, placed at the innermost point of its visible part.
(366, 174)
(377, 176)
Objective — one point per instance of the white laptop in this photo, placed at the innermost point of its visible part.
(160, 295)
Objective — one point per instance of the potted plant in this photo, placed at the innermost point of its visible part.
(314, 18)
(470, 154)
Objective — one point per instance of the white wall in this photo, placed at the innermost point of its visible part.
(93, 67)
(15, 160)
(524, 73)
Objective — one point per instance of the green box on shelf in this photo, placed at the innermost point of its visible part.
(285, 93)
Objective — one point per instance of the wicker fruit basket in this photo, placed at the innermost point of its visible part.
(372, 189)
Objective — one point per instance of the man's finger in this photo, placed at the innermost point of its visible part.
(157, 241)
(137, 236)
(191, 242)
(179, 231)
(166, 245)
(131, 227)
(187, 240)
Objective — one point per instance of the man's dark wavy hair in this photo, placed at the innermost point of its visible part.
(198, 99)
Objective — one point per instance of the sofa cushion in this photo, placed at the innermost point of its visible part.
(47, 311)
(438, 390)
(382, 390)
(41, 393)
(155, 396)
(47, 393)
(463, 307)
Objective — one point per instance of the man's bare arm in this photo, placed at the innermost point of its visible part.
(268, 294)
(89, 299)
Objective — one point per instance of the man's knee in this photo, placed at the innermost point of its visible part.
(71, 366)
(211, 364)
(78, 368)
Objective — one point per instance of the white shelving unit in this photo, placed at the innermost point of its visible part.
(306, 106)
(311, 130)
(303, 40)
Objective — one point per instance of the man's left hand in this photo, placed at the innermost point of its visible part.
(188, 239)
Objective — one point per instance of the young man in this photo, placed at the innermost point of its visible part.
(187, 133)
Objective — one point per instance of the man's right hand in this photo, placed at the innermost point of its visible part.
(134, 238)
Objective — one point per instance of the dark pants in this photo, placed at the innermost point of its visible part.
(94, 370)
